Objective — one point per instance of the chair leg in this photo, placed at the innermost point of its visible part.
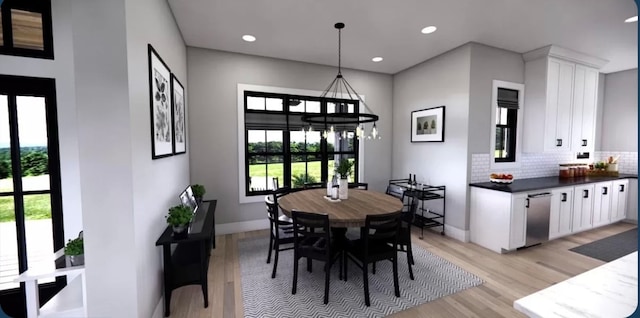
(295, 275)
(373, 270)
(275, 260)
(365, 280)
(270, 248)
(410, 250)
(396, 285)
(409, 264)
(309, 269)
(345, 260)
(326, 281)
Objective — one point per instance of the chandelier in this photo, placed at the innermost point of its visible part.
(340, 88)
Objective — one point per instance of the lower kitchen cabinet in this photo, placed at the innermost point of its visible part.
(561, 212)
(619, 196)
(632, 200)
(602, 204)
(518, 224)
(583, 207)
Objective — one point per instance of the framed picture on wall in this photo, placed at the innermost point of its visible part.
(179, 120)
(160, 102)
(427, 125)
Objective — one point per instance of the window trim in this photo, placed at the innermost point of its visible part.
(519, 123)
(241, 88)
(42, 7)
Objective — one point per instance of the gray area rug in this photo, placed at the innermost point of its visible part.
(612, 247)
(264, 297)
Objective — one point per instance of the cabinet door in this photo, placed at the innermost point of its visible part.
(584, 108)
(518, 226)
(558, 113)
(602, 204)
(583, 207)
(561, 212)
(619, 191)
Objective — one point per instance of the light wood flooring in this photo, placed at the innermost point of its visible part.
(507, 277)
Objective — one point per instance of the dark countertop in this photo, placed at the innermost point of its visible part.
(532, 184)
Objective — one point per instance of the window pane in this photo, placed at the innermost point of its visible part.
(27, 29)
(257, 173)
(341, 141)
(274, 104)
(8, 244)
(351, 108)
(296, 105)
(39, 232)
(275, 169)
(256, 103)
(502, 142)
(274, 141)
(6, 182)
(32, 133)
(313, 141)
(313, 106)
(296, 143)
(331, 108)
(501, 115)
(256, 140)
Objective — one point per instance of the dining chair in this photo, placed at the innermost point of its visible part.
(314, 185)
(358, 185)
(374, 246)
(280, 230)
(312, 240)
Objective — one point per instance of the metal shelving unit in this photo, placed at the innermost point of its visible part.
(424, 192)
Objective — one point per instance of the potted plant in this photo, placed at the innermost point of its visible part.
(74, 250)
(198, 192)
(344, 169)
(179, 217)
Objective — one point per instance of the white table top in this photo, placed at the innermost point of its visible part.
(610, 290)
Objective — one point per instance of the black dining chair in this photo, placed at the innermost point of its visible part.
(312, 240)
(374, 245)
(358, 185)
(314, 185)
(280, 229)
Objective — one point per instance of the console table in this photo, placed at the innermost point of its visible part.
(189, 262)
(425, 192)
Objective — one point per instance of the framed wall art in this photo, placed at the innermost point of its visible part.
(179, 120)
(160, 101)
(427, 125)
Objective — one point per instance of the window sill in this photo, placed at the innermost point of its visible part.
(505, 165)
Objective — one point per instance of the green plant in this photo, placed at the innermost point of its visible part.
(74, 247)
(300, 179)
(344, 168)
(179, 215)
(198, 190)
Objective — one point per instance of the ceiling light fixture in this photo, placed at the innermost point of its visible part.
(377, 59)
(429, 29)
(249, 38)
(341, 118)
(632, 19)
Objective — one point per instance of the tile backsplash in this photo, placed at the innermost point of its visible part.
(534, 165)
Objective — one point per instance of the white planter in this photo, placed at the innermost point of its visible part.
(343, 192)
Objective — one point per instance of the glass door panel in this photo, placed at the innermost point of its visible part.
(8, 244)
(6, 182)
(39, 231)
(32, 132)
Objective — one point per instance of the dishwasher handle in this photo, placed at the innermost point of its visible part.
(538, 195)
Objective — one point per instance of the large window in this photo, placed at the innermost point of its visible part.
(26, 28)
(280, 146)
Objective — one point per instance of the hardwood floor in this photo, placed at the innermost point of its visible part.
(507, 277)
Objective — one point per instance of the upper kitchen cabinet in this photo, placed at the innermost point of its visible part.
(560, 100)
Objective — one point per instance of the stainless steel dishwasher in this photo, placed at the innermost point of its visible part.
(538, 215)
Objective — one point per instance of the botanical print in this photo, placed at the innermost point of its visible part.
(162, 111)
(178, 112)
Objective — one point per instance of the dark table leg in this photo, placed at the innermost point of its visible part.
(166, 252)
(204, 262)
(340, 237)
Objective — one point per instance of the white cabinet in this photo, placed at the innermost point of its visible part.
(561, 212)
(619, 191)
(632, 200)
(518, 223)
(559, 105)
(602, 204)
(583, 207)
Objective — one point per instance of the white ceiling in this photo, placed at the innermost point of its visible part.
(302, 30)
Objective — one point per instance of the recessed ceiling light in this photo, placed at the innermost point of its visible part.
(429, 29)
(632, 19)
(248, 38)
(377, 59)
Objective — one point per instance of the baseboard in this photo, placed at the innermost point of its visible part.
(456, 233)
(237, 227)
(157, 313)
(630, 221)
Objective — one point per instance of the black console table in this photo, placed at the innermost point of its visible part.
(424, 192)
(189, 262)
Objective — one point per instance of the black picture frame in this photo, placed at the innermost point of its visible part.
(432, 118)
(160, 106)
(178, 116)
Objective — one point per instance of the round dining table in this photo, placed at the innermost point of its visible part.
(350, 212)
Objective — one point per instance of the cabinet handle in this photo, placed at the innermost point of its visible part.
(622, 188)
(604, 190)
(558, 142)
(526, 205)
(564, 197)
(585, 193)
(584, 142)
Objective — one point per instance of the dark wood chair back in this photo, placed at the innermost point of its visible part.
(359, 185)
(311, 235)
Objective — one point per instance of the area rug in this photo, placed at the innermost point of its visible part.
(612, 247)
(264, 297)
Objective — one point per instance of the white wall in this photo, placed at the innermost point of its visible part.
(156, 183)
(620, 112)
(443, 80)
(213, 79)
(61, 69)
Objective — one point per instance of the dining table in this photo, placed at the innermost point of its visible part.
(345, 213)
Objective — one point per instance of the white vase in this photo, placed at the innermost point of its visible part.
(343, 193)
